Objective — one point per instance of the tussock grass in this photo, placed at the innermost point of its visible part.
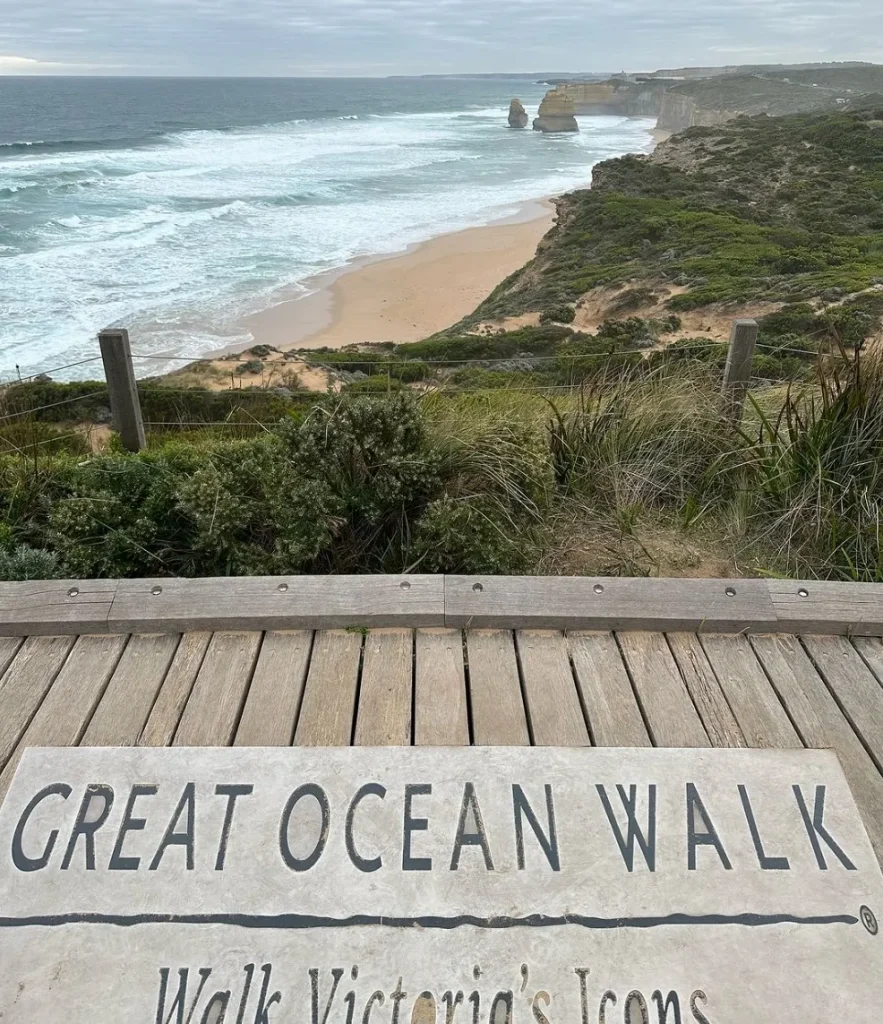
(818, 474)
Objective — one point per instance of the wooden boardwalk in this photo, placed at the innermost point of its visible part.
(449, 686)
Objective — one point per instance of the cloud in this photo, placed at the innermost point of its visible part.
(12, 65)
(303, 37)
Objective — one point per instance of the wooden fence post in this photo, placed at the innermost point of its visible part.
(120, 375)
(737, 373)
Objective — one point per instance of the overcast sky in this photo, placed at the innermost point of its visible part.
(381, 37)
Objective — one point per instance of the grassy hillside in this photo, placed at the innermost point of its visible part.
(774, 209)
(841, 78)
(783, 92)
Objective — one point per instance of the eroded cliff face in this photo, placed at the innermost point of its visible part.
(679, 112)
(613, 97)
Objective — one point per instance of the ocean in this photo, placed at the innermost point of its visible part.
(175, 207)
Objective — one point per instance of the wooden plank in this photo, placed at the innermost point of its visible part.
(25, 683)
(554, 712)
(277, 602)
(55, 607)
(856, 689)
(759, 712)
(571, 602)
(498, 714)
(212, 712)
(611, 706)
(717, 716)
(383, 715)
(871, 650)
(669, 712)
(822, 724)
(441, 712)
(329, 701)
(273, 702)
(815, 606)
(129, 696)
(9, 646)
(159, 729)
(68, 706)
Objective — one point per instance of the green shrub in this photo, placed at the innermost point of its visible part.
(794, 319)
(161, 402)
(51, 402)
(251, 366)
(26, 563)
(477, 377)
(701, 350)
(558, 315)
(468, 536)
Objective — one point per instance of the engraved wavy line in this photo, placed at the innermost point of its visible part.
(295, 922)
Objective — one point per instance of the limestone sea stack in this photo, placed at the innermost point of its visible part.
(556, 114)
(517, 115)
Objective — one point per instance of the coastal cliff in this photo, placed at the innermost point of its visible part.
(704, 230)
(616, 96)
(707, 97)
(679, 111)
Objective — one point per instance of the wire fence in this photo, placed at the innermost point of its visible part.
(24, 448)
(322, 360)
(31, 410)
(37, 414)
(314, 359)
(18, 379)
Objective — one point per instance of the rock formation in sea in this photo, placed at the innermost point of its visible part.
(517, 115)
(556, 114)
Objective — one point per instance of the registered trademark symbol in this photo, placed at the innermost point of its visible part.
(868, 919)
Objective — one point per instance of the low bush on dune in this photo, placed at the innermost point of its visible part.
(359, 484)
(558, 315)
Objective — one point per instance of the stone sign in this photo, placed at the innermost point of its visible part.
(436, 886)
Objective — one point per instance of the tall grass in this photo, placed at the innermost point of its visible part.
(654, 441)
(818, 471)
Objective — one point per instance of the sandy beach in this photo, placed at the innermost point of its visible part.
(407, 296)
